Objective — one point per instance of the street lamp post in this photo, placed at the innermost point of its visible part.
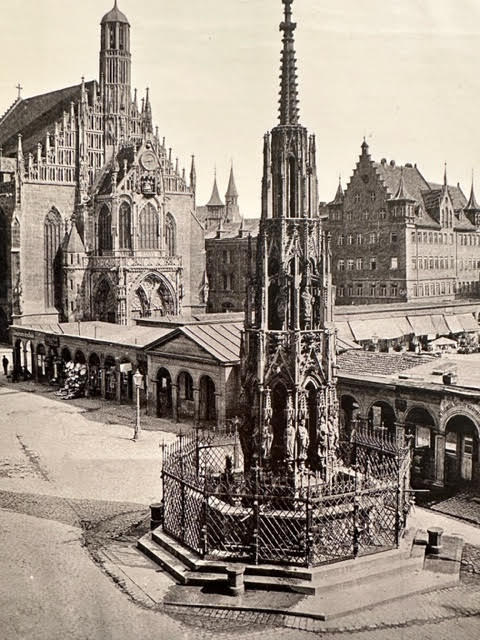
(137, 380)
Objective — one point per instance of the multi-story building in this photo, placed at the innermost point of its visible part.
(97, 220)
(397, 237)
(231, 253)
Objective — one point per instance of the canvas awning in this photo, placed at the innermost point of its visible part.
(454, 325)
(441, 342)
(380, 328)
(404, 325)
(346, 345)
(440, 325)
(422, 325)
(343, 331)
(468, 322)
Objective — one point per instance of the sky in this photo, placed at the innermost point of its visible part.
(404, 74)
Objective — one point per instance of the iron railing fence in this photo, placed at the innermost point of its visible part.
(218, 511)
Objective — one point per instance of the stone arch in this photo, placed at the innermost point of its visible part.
(110, 373)
(462, 436)
(208, 409)
(185, 395)
(164, 393)
(105, 302)
(148, 227)
(381, 415)
(41, 364)
(94, 375)
(349, 410)
(153, 296)
(420, 425)
(79, 357)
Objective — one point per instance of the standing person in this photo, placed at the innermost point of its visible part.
(5, 365)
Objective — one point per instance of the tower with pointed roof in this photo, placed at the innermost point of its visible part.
(232, 210)
(288, 366)
(115, 71)
(472, 208)
(116, 234)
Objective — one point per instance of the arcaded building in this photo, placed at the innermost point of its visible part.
(97, 219)
(397, 237)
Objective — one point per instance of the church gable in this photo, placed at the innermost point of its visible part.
(180, 346)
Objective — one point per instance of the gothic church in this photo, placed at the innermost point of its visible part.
(97, 221)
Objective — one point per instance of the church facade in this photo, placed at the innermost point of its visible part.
(97, 220)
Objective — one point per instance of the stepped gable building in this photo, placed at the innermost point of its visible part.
(97, 221)
(216, 212)
(397, 237)
(290, 406)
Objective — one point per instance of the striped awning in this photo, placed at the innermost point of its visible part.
(440, 325)
(454, 324)
(468, 322)
(379, 328)
(422, 325)
(343, 331)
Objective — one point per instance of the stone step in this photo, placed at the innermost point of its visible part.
(163, 558)
(194, 563)
(341, 600)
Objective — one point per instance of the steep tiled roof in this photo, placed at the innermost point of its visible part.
(135, 336)
(459, 200)
(414, 182)
(34, 117)
(231, 229)
(232, 187)
(215, 200)
(221, 340)
(367, 362)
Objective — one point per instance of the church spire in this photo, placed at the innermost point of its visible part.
(472, 204)
(232, 192)
(215, 200)
(288, 78)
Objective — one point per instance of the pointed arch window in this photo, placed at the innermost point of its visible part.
(292, 195)
(170, 235)
(148, 225)
(104, 230)
(125, 226)
(52, 230)
(16, 234)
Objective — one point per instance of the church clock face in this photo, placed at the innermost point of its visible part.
(149, 161)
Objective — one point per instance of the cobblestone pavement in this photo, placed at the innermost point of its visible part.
(465, 505)
(67, 480)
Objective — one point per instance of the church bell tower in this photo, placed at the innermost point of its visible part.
(288, 358)
(115, 74)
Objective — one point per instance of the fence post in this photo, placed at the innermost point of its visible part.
(255, 513)
(182, 485)
(308, 525)
(398, 514)
(355, 503)
(204, 529)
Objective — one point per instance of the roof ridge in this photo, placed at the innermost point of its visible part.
(10, 108)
